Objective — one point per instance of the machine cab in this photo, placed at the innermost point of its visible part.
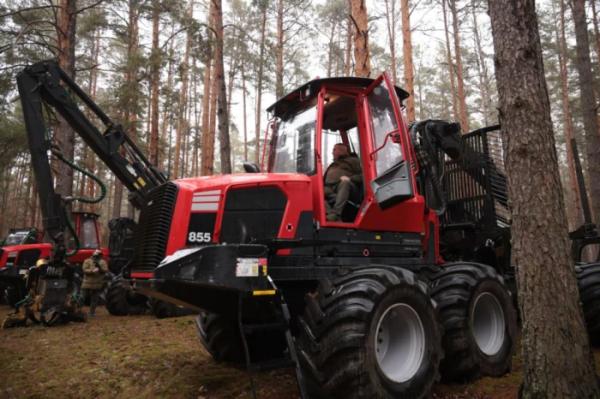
(363, 117)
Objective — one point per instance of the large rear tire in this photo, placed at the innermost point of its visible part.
(371, 333)
(588, 280)
(479, 319)
(122, 301)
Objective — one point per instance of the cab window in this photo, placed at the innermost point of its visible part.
(293, 143)
(388, 153)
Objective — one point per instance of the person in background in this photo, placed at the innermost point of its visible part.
(94, 269)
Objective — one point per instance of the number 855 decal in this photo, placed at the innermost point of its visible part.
(198, 236)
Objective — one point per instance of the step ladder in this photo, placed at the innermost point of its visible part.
(282, 325)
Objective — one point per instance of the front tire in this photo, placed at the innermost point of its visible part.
(588, 281)
(122, 301)
(370, 333)
(479, 320)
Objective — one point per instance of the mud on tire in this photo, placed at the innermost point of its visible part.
(122, 301)
(351, 345)
(588, 281)
(479, 320)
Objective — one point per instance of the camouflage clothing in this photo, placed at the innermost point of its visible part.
(93, 273)
(338, 191)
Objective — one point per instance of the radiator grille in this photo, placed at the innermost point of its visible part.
(153, 228)
(476, 186)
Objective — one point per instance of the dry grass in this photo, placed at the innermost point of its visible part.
(144, 357)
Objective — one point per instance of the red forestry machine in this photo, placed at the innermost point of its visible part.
(410, 283)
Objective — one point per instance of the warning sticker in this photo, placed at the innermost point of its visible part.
(249, 267)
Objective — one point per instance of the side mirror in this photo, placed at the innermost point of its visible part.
(251, 167)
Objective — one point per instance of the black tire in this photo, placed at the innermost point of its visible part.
(220, 336)
(122, 301)
(337, 344)
(163, 310)
(471, 296)
(588, 281)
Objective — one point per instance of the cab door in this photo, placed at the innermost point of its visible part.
(390, 154)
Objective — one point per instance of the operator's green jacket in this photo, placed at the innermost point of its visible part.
(348, 165)
(93, 274)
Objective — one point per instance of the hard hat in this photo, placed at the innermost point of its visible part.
(41, 262)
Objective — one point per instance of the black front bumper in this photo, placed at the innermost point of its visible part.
(210, 278)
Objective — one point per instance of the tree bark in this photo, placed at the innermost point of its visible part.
(557, 361)
(484, 79)
(182, 123)
(207, 141)
(348, 55)
(462, 97)
(155, 60)
(245, 119)
(567, 118)
(596, 29)
(222, 113)
(588, 104)
(409, 77)
(64, 135)
(259, 82)
(390, 19)
(450, 64)
(362, 60)
(279, 52)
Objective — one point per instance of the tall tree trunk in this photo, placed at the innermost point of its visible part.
(244, 93)
(409, 77)
(182, 123)
(207, 140)
(450, 63)
(596, 29)
(348, 55)
(155, 60)
(588, 104)
(462, 97)
(390, 19)
(259, 82)
(64, 135)
(166, 110)
(484, 79)
(222, 113)
(567, 118)
(330, 50)
(195, 160)
(557, 360)
(362, 59)
(279, 52)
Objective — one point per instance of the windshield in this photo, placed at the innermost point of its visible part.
(15, 238)
(293, 143)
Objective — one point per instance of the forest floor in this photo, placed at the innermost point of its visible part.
(145, 357)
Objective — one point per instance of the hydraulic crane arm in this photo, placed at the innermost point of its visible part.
(46, 83)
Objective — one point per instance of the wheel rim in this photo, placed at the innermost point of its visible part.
(400, 342)
(489, 324)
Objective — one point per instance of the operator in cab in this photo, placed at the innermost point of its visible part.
(341, 177)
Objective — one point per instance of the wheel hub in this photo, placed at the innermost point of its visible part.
(400, 342)
(489, 324)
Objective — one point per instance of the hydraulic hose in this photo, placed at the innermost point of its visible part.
(85, 200)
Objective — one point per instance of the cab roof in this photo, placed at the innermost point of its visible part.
(310, 89)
